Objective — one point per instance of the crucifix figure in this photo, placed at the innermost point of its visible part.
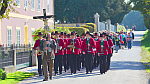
(45, 19)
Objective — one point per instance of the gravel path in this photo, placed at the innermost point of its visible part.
(126, 68)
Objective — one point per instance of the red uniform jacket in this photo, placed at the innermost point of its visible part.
(96, 40)
(61, 43)
(65, 44)
(81, 44)
(77, 46)
(37, 44)
(79, 39)
(105, 48)
(85, 45)
(110, 43)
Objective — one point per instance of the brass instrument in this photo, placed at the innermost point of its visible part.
(59, 47)
(39, 52)
(72, 47)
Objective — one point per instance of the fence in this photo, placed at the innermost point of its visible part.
(20, 53)
(104, 26)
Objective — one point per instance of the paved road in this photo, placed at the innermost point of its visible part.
(126, 68)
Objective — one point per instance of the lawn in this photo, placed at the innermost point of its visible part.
(145, 44)
(13, 78)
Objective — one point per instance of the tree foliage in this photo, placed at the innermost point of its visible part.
(144, 7)
(134, 18)
(82, 11)
(5, 7)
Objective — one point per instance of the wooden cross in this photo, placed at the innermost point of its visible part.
(45, 19)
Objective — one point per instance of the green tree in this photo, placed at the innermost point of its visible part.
(5, 7)
(144, 7)
(83, 11)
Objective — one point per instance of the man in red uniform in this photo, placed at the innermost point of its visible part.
(65, 50)
(58, 53)
(80, 54)
(39, 47)
(83, 56)
(102, 47)
(87, 47)
(96, 61)
(110, 43)
(72, 48)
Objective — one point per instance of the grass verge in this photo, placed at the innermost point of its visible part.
(13, 78)
(145, 45)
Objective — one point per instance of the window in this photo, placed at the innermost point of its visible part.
(9, 37)
(25, 3)
(18, 2)
(32, 4)
(38, 3)
(47, 6)
(18, 37)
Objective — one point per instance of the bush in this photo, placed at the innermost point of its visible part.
(92, 25)
(90, 28)
(79, 30)
(2, 74)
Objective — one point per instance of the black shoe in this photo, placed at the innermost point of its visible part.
(40, 75)
(50, 78)
(65, 70)
(74, 73)
(86, 72)
(90, 71)
(60, 72)
(55, 74)
(45, 79)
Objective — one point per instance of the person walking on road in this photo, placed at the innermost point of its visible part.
(39, 47)
(48, 57)
(129, 41)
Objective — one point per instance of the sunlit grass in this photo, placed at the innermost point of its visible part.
(145, 45)
(13, 78)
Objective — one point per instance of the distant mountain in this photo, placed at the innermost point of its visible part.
(134, 18)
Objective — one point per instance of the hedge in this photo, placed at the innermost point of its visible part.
(79, 30)
(88, 27)
(93, 25)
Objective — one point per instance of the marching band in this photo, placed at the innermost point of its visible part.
(74, 52)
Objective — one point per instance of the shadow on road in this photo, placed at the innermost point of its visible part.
(126, 65)
(136, 43)
(115, 65)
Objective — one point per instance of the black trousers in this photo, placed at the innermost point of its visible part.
(73, 62)
(83, 60)
(89, 62)
(39, 64)
(108, 61)
(96, 60)
(58, 63)
(65, 61)
(78, 62)
(68, 63)
(102, 60)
